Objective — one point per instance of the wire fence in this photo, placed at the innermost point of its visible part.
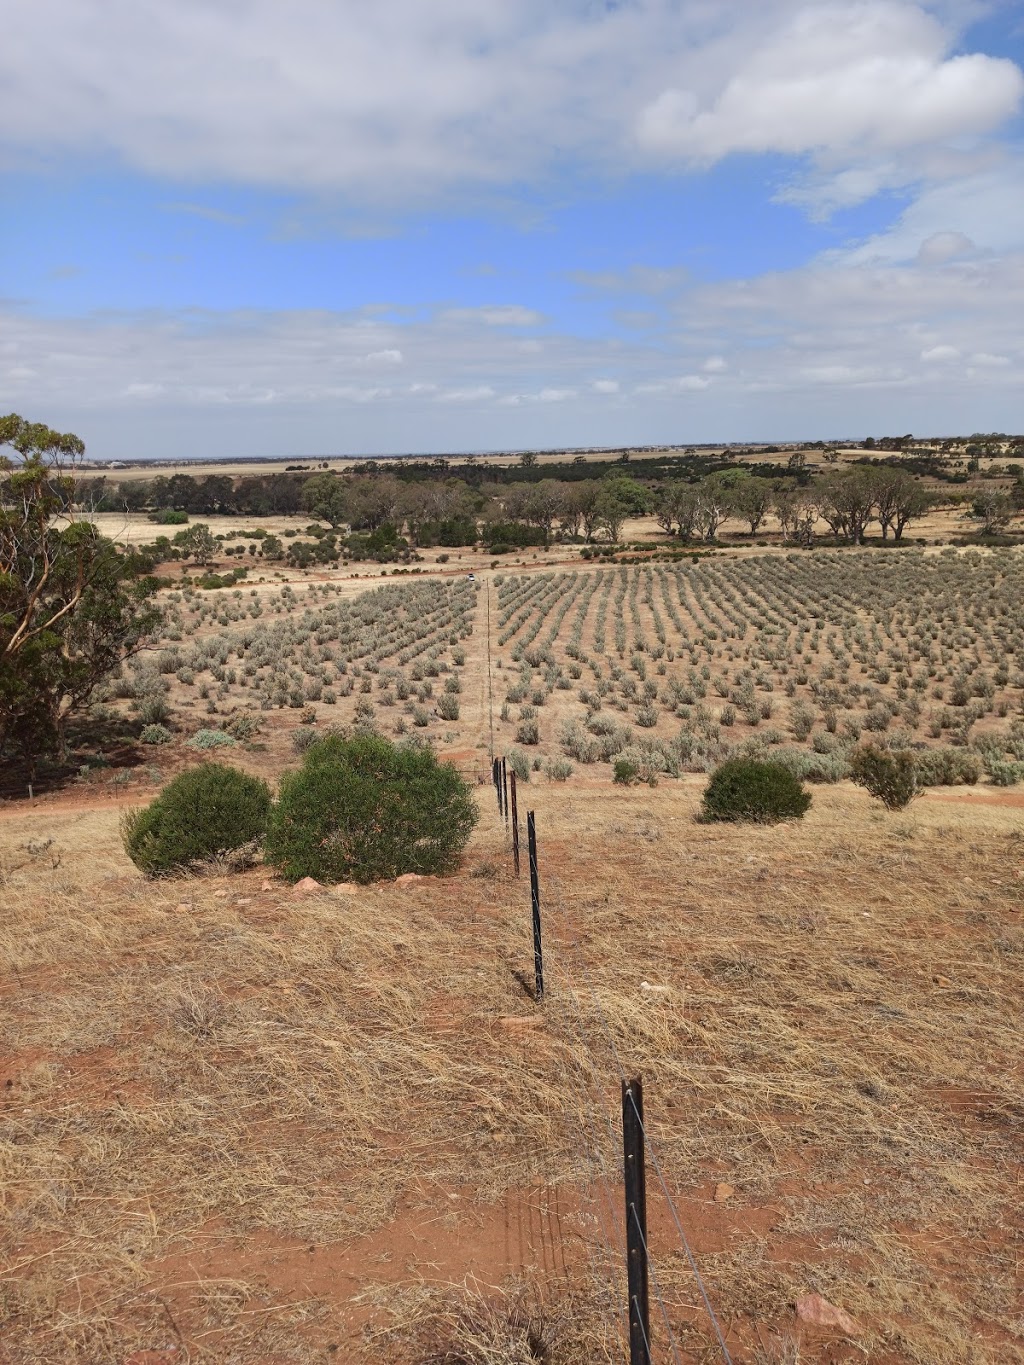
(566, 964)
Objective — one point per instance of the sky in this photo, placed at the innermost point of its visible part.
(239, 228)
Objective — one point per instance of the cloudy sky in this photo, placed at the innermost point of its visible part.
(239, 227)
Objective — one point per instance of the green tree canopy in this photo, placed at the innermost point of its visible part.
(71, 606)
(326, 497)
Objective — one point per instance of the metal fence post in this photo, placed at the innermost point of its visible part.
(538, 954)
(515, 824)
(504, 790)
(636, 1221)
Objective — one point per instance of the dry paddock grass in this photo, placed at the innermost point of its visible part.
(241, 1126)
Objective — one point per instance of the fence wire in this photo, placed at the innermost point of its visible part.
(593, 1110)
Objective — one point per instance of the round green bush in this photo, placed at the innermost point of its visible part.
(364, 809)
(891, 777)
(155, 734)
(625, 773)
(746, 789)
(208, 810)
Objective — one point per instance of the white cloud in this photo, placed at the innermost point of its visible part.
(941, 247)
(978, 213)
(402, 99)
(988, 361)
(510, 315)
(850, 375)
(843, 346)
(477, 394)
(687, 383)
(391, 355)
(838, 77)
(142, 390)
(495, 315)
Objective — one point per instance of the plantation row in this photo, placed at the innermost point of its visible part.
(774, 652)
(292, 650)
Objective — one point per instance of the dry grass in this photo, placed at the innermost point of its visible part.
(203, 1079)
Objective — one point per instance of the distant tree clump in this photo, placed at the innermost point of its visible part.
(364, 809)
(203, 812)
(744, 789)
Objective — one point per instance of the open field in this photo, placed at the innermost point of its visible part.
(240, 1125)
(262, 1128)
(145, 469)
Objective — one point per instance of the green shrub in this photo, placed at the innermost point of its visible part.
(558, 769)
(1006, 774)
(813, 767)
(528, 732)
(448, 706)
(947, 767)
(209, 739)
(519, 763)
(890, 777)
(156, 734)
(364, 809)
(153, 709)
(625, 773)
(206, 811)
(747, 789)
(244, 725)
(303, 738)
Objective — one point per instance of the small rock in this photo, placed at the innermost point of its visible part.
(407, 879)
(346, 888)
(941, 980)
(306, 887)
(182, 905)
(520, 1021)
(814, 1309)
(656, 990)
(266, 886)
(723, 1191)
(244, 900)
(220, 895)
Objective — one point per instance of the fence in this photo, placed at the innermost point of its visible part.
(631, 1234)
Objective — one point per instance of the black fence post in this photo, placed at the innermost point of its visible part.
(504, 790)
(515, 825)
(636, 1221)
(538, 954)
(496, 779)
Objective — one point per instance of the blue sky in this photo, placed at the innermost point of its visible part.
(233, 229)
